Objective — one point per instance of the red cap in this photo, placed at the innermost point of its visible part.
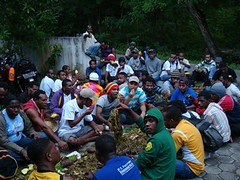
(111, 57)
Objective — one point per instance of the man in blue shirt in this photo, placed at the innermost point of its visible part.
(115, 167)
(184, 93)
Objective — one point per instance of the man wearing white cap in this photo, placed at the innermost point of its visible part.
(93, 84)
(75, 112)
(134, 96)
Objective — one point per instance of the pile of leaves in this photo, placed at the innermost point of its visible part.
(132, 142)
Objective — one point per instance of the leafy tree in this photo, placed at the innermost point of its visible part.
(27, 22)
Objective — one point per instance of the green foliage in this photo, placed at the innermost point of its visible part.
(55, 51)
(165, 25)
(27, 22)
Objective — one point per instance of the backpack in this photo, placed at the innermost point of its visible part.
(193, 119)
(170, 64)
(212, 139)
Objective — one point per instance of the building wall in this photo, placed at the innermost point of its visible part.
(72, 53)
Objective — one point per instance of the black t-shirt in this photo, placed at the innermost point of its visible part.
(219, 73)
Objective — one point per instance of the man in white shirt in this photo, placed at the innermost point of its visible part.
(72, 127)
(88, 38)
(47, 84)
(184, 62)
(58, 82)
(123, 67)
(231, 89)
(169, 66)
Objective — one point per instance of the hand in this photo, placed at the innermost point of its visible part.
(143, 114)
(24, 154)
(149, 105)
(199, 70)
(88, 111)
(88, 174)
(132, 92)
(36, 136)
(122, 106)
(63, 145)
(98, 131)
(188, 96)
(109, 125)
(55, 117)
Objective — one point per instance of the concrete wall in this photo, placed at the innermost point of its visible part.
(72, 53)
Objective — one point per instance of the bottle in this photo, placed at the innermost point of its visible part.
(11, 74)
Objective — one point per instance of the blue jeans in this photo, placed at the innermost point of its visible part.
(183, 171)
(165, 77)
(23, 142)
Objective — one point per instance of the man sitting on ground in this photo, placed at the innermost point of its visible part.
(93, 68)
(45, 155)
(188, 139)
(153, 93)
(93, 84)
(153, 65)
(229, 106)
(115, 167)
(158, 159)
(184, 93)
(122, 80)
(61, 75)
(201, 73)
(214, 114)
(123, 67)
(35, 110)
(3, 94)
(106, 103)
(72, 128)
(134, 96)
(170, 85)
(62, 96)
(28, 94)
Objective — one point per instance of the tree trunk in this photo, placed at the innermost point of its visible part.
(200, 19)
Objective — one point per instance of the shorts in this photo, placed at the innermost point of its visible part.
(80, 133)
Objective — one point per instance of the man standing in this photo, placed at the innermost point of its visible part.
(72, 128)
(34, 109)
(47, 84)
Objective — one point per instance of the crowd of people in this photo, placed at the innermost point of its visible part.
(80, 110)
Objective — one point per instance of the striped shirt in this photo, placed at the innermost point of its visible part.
(215, 114)
(151, 97)
(138, 97)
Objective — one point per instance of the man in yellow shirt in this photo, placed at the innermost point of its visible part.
(188, 142)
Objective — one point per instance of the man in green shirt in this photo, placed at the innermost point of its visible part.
(158, 159)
